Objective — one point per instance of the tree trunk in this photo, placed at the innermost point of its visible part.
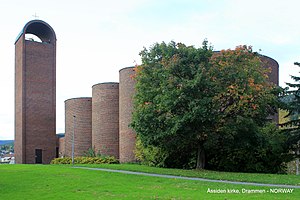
(200, 157)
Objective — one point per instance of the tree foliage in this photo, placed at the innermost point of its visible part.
(245, 98)
(189, 100)
(242, 85)
(173, 101)
(292, 95)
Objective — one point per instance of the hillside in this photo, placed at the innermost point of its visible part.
(4, 142)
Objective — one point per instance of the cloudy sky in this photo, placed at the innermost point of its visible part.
(96, 38)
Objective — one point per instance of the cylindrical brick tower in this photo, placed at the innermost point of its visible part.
(105, 119)
(273, 64)
(127, 136)
(80, 125)
(273, 77)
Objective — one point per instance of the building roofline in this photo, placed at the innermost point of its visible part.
(33, 22)
(105, 83)
(78, 98)
(126, 68)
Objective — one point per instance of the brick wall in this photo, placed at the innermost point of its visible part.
(82, 109)
(105, 119)
(127, 135)
(273, 77)
(271, 63)
(61, 146)
(40, 110)
(19, 123)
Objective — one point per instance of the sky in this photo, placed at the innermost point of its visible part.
(97, 38)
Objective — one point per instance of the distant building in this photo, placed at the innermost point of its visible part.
(7, 158)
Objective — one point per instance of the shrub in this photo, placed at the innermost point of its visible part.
(86, 160)
(250, 149)
(151, 155)
(65, 160)
(90, 153)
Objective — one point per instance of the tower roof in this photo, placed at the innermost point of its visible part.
(39, 28)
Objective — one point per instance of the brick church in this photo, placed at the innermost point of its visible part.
(100, 122)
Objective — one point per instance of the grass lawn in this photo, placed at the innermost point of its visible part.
(231, 176)
(64, 182)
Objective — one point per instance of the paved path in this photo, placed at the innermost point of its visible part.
(189, 178)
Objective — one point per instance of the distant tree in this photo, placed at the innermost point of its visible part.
(294, 102)
(293, 107)
(7, 147)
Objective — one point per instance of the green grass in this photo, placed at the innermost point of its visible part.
(64, 182)
(231, 176)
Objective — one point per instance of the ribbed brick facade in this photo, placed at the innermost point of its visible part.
(112, 107)
(35, 95)
(105, 119)
(80, 125)
(127, 135)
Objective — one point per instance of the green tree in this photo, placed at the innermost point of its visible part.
(189, 99)
(242, 85)
(245, 99)
(293, 106)
(294, 102)
(173, 101)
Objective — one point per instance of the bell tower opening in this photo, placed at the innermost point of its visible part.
(32, 38)
(42, 31)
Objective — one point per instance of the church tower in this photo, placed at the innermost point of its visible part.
(35, 94)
